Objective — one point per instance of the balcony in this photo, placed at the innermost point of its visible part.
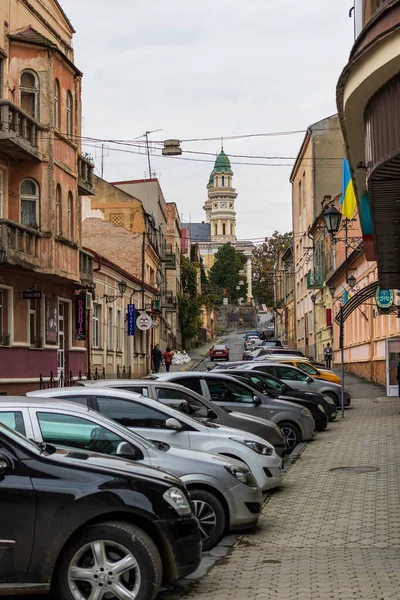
(85, 176)
(315, 280)
(86, 268)
(168, 300)
(21, 243)
(18, 133)
(168, 257)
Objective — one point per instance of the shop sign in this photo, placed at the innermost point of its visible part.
(144, 321)
(32, 295)
(80, 316)
(384, 299)
(131, 319)
(51, 321)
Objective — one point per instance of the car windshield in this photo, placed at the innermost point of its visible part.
(20, 439)
(219, 348)
(307, 368)
(265, 381)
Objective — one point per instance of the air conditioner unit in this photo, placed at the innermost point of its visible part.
(89, 301)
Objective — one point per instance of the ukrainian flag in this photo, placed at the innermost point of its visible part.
(348, 200)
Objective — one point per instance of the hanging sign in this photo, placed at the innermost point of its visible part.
(32, 295)
(384, 300)
(80, 316)
(144, 321)
(131, 319)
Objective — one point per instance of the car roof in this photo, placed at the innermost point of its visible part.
(31, 401)
(116, 383)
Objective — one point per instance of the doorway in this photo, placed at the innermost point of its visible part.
(392, 363)
(61, 345)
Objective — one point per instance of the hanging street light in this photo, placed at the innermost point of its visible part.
(351, 281)
(332, 218)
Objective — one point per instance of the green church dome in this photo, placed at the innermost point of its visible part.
(222, 165)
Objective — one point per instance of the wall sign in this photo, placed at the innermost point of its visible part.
(51, 321)
(80, 316)
(32, 295)
(131, 319)
(384, 299)
(144, 322)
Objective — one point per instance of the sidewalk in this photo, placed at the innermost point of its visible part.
(326, 535)
(197, 355)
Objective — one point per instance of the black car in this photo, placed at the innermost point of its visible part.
(78, 523)
(311, 401)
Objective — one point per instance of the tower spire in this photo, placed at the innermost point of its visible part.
(222, 144)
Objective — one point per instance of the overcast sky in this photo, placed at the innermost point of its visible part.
(210, 68)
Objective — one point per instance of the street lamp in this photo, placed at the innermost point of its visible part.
(313, 298)
(332, 290)
(122, 289)
(332, 218)
(351, 280)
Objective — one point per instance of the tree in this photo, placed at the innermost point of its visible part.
(264, 258)
(189, 301)
(224, 273)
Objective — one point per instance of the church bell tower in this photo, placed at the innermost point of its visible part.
(220, 205)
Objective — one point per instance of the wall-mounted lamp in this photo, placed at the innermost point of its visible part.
(122, 289)
(351, 281)
(332, 290)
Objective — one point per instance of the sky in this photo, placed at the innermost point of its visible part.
(209, 69)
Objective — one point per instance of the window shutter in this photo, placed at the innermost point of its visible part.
(329, 317)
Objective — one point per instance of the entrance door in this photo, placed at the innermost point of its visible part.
(61, 344)
(392, 363)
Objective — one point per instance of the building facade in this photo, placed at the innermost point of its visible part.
(42, 176)
(284, 278)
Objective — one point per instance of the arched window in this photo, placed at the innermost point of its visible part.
(223, 181)
(58, 211)
(57, 104)
(29, 196)
(223, 228)
(69, 113)
(29, 93)
(231, 228)
(70, 215)
(215, 229)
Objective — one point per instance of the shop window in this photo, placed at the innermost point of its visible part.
(57, 104)
(29, 194)
(58, 210)
(96, 325)
(70, 215)
(69, 114)
(29, 93)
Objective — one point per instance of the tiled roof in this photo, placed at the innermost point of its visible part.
(199, 232)
(31, 36)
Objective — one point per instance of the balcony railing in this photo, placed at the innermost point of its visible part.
(315, 280)
(85, 176)
(21, 243)
(168, 299)
(168, 257)
(18, 132)
(4, 339)
(86, 267)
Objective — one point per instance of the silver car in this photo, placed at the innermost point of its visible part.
(165, 424)
(295, 422)
(224, 492)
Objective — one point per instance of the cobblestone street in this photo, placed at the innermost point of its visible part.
(326, 534)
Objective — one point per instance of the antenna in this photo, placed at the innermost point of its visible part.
(146, 135)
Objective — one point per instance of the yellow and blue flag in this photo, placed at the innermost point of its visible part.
(348, 200)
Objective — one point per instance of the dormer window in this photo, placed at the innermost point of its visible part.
(29, 93)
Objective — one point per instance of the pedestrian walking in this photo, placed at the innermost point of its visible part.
(157, 357)
(328, 354)
(168, 356)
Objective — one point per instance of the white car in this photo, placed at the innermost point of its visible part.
(163, 423)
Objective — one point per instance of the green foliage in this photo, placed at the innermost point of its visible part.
(224, 274)
(264, 259)
(189, 301)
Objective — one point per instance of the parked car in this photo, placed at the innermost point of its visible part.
(252, 343)
(159, 422)
(219, 351)
(277, 387)
(76, 521)
(300, 380)
(284, 351)
(198, 407)
(304, 365)
(223, 491)
(270, 343)
(295, 422)
(253, 333)
(260, 380)
(253, 353)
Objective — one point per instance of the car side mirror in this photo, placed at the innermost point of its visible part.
(309, 379)
(4, 466)
(256, 400)
(125, 450)
(174, 424)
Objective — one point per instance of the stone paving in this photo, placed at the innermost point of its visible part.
(326, 535)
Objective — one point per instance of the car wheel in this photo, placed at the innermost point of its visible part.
(334, 397)
(211, 515)
(109, 560)
(291, 433)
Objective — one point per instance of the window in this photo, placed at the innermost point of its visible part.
(110, 328)
(14, 420)
(77, 399)
(307, 368)
(57, 104)
(58, 210)
(29, 195)
(300, 196)
(223, 181)
(76, 432)
(289, 374)
(96, 325)
(69, 215)
(29, 93)
(269, 383)
(34, 317)
(131, 413)
(215, 229)
(137, 389)
(191, 383)
(183, 401)
(228, 392)
(1, 78)
(231, 228)
(1, 193)
(223, 228)
(118, 326)
(69, 113)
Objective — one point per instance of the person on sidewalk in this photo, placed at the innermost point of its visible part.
(168, 356)
(328, 354)
(157, 357)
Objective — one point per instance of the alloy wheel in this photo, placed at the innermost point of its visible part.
(290, 437)
(104, 570)
(206, 516)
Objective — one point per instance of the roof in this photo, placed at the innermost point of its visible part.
(199, 232)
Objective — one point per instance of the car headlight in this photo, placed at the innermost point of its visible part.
(256, 447)
(305, 412)
(329, 400)
(243, 475)
(177, 499)
(321, 408)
